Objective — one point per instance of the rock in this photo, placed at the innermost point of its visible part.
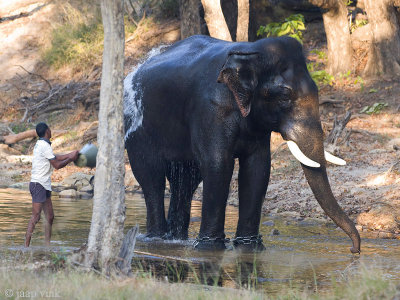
(80, 184)
(86, 189)
(268, 223)
(84, 195)
(68, 194)
(393, 144)
(275, 232)
(58, 187)
(74, 178)
(20, 186)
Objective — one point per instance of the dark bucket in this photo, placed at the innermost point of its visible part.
(87, 156)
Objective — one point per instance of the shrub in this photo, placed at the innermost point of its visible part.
(320, 77)
(292, 26)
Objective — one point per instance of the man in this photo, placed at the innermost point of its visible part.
(40, 186)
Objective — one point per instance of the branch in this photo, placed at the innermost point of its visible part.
(331, 101)
(127, 250)
(34, 74)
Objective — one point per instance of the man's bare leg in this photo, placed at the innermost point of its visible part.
(36, 210)
(49, 215)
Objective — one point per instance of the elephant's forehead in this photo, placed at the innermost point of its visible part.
(281, 49)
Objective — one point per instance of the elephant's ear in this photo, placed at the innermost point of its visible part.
(240, 75)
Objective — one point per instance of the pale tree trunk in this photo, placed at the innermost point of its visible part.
(215, 20)
(337, 30)
(384, 53)
(106, 231)
(189, 11)
(242, 32)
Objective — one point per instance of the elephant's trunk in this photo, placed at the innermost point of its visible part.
(304, 129)
(318, 181)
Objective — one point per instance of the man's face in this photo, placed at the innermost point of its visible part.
(48, 133)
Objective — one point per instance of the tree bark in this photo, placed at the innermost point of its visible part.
(384, 53)
(106, 231)
(242, 32)
(215, 20)
(189, 11)
(337, 30)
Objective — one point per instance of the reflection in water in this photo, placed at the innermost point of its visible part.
(304, 252)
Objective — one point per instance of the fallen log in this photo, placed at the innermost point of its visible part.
(15, 138)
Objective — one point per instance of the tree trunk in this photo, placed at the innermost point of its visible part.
(230, 11)
(242, 32)
(106, 231)
(337, 30)
(215, 20)
(384, 53)
(189, 11)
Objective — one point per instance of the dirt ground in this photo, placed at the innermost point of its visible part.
(368, 187)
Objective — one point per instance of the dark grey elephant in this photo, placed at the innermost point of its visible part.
(194, 108)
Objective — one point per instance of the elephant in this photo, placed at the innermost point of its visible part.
(201, 103)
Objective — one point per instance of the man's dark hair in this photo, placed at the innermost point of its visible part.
(41, 129)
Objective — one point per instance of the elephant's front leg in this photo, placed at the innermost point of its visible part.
(217, 174)
(253, 182)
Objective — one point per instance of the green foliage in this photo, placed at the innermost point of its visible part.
(376, 108)
(320, 77)
(372, 90)
(58, 260)
(78, 40)
(292, 26)
(19, 127)
(129, 26)
(346, 75)
(360, 81)
(357, 24)
(321, 54)
(78, 44)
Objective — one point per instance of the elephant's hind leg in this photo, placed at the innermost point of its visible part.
(150, 173)
(184, 177)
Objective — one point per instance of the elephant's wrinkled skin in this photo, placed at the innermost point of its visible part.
(191, 110)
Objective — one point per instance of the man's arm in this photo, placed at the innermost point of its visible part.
(65, 156)
(62, 160)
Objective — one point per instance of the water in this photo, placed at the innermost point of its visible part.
(305, 252)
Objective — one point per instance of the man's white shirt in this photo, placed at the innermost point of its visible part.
(41, 167)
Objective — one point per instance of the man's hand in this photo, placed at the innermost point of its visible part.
(74, 155)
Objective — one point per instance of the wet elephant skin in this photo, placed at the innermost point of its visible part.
(201, 103)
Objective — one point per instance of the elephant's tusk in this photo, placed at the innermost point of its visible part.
(300, 156)
(333, 159)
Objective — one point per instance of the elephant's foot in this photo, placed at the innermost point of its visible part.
(207, 243)
(176, 236)
(252, 243)
(156, 235)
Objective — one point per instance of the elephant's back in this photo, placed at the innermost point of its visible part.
(169, 84)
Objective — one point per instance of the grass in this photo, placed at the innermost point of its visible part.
(68, 283)
(77, 40)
